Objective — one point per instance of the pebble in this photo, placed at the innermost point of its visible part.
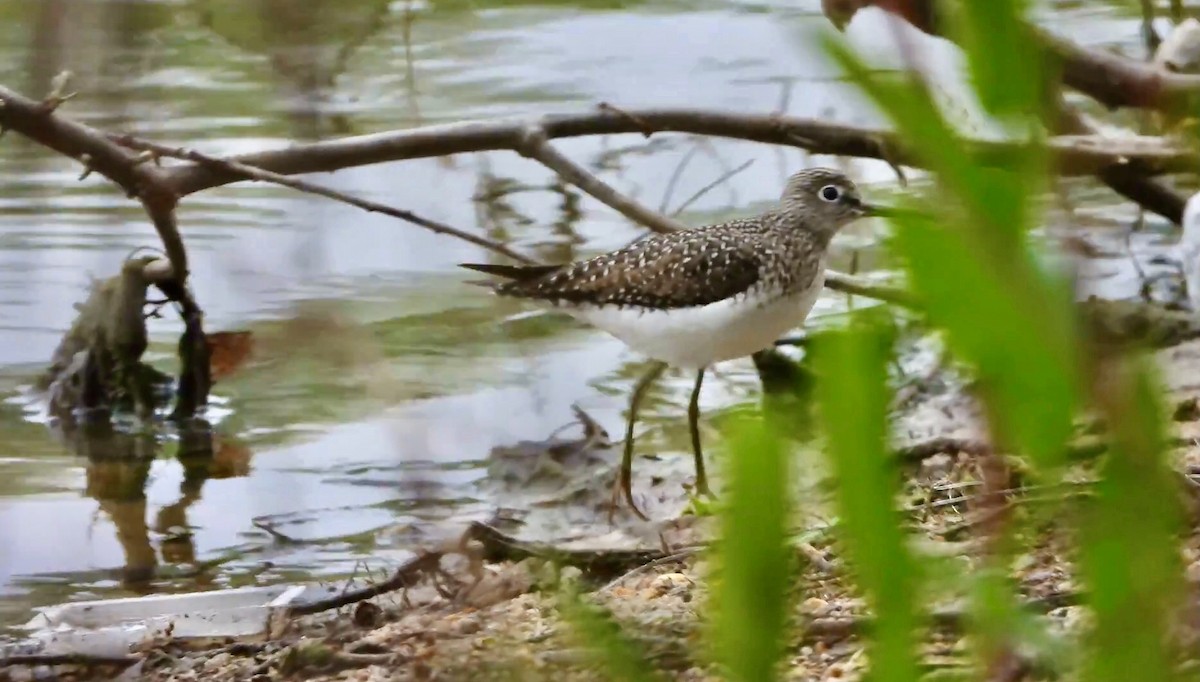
(1193, 572)
(217, 662)
(1041, 576)
(468, 626)
(815, 606)
(937, 466)
(668, 582)
(570, 575)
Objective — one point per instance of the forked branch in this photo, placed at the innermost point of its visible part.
(38, 121)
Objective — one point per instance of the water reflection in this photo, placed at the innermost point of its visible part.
(308, 45)
(118, 465)
(457, 375)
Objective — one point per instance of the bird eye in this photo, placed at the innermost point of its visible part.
(830, 193)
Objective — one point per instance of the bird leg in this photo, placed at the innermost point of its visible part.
(624, 483)
(694, 426)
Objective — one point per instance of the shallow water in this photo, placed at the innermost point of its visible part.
(384, 380)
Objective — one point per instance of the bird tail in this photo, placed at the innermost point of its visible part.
(517, 273)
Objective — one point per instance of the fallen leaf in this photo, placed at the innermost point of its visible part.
(228, 352)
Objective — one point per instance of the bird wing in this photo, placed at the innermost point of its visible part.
(677, 270)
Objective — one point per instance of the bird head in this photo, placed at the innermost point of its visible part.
(824, 199)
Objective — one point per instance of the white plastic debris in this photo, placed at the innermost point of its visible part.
(111, 627)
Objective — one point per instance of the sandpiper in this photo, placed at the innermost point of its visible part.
(695, 297)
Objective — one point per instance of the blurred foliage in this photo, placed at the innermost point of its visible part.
(868, 484)
(606, 641)
(1011, 321)
(752, 557)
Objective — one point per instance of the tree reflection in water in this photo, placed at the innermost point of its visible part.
(118, 470)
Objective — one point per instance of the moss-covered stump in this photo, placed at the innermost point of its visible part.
(96, 372)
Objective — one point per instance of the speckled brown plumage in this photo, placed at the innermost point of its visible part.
(777, 252)
(681, 269)
(696, 297)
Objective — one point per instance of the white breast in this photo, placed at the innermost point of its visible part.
(692, 338)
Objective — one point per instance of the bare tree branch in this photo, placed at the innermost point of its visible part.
(1128, 180)
(109, 155)
(252, 173)
(1073, 154)
(160, 189)
(36, 120)
(721, 179)
(85, 660)
(857, 286)
(535, 144)
(1111, 79)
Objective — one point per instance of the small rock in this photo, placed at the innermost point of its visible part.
(814, 606)
(217, 662)
(364, 646)
(668, 582)
(1024, 562)
(1193, 572)
(367, 614)
(468, 626)
(570, 574)
(1187, 410)
(1041, 576)
(937, 466)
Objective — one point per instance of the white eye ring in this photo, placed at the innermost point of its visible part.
(830, 193)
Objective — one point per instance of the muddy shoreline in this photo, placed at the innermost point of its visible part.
(492, 609)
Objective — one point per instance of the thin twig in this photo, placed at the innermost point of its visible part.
(37, 121)
(649, 566)
(675, 175)
(1073, 155)
(406, 575)
(535, 144)
(721, 179)
(253, 173)
(844, 283)
(33, 660)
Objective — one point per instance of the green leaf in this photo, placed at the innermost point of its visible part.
(1006, 72)
(1129, 558)
(608, 646)
(853, 397)
(1014, 327)
(995, 196)
(753, 558)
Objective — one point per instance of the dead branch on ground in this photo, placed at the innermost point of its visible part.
(82, 660)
